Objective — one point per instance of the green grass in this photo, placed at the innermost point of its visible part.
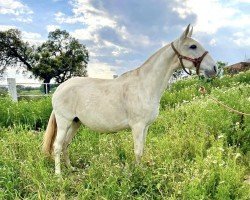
(33, 114)
(195, 150)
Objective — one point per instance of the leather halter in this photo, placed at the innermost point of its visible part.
(195, 61)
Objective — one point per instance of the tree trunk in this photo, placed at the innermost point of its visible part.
(46, 86)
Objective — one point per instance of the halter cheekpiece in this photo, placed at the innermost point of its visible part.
(195, 61)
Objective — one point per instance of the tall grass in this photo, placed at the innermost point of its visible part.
(33, 114)
(186, 90)
(195, 150)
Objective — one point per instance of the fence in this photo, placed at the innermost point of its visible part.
(17, 90)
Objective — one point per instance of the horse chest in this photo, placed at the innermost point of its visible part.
(145, 109)
(151, 112)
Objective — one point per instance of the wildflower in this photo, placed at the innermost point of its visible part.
(221, 149)
(237, 155)
(220, 136)
(214, 161)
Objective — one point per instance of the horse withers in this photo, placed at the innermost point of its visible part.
(129, 101)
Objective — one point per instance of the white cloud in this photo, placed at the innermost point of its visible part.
(16, 8)
(32, 38)
(183, 13)
(6, 27)
(91, 16)
(20, 77)
(100, 70)
(52, 27)
(242, 42)
(85, 34)
(243, 1)
(214, 14)
(62, 18)
(93, 20)
(85, 13)
(117, 49)
(212, 42)
(241, 38)
(239, 34)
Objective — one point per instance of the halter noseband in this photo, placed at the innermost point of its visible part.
(195, 61)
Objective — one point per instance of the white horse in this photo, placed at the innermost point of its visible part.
(129, 101)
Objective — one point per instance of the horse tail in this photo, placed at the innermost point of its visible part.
(50, 135)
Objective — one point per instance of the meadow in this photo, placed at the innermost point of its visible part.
(195, 150)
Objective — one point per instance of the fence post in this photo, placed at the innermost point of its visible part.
(12, 88)
(46, 88)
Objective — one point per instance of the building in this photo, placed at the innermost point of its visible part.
(237, 67)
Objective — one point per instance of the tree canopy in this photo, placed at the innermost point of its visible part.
(58, 58)
(13, 50)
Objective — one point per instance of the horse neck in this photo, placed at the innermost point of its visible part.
(157, 70)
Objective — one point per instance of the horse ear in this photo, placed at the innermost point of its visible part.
(190, 32)
(185, 33)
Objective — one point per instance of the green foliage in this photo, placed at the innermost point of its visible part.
(14, 50)
(3, 91)
(60, 57)
(31, 114)
(221, 64)
(195, 150)
(187, 90)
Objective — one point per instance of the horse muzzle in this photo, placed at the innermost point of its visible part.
(212, 72)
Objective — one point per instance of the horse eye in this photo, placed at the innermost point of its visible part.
(193, 46)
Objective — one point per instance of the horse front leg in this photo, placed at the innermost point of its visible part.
(139, 132)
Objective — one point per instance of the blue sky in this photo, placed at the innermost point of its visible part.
(120, 35)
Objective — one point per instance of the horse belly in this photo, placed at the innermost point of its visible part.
(104, 118)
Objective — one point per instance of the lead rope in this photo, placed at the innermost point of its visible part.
(203, 91)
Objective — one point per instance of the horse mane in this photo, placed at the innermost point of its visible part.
(136, 71)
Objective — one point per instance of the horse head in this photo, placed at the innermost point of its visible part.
(192, 55)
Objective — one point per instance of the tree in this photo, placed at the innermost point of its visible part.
(177, 73)
(60, 57)
(13, 50)
(221, 65)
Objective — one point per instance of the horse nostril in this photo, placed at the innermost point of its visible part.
(215, 69)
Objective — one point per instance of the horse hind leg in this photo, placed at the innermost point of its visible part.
(62, 129)
(70, 134)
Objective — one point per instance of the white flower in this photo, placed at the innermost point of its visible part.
(220, 136)
(237, 155)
